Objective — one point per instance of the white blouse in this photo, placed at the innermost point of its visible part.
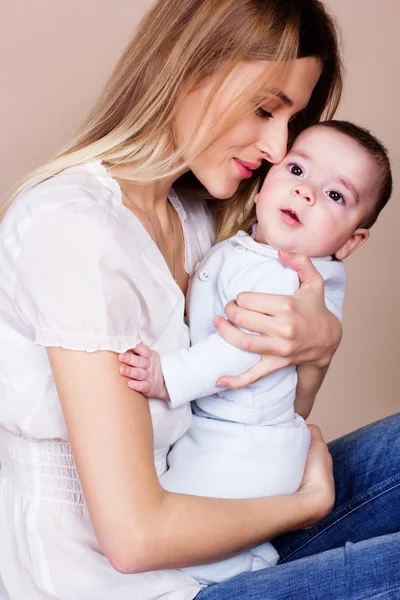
(79, 271)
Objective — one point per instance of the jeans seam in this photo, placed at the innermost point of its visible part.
(344, 509)
(380, 594)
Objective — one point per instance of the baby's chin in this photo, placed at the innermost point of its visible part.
(281, 242)
(273, 242)
(285, 246)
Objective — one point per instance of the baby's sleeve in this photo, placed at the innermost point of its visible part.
(75, 285)
(192, 373)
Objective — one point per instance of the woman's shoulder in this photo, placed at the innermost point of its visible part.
(81, 203)
(73, 217)
(79, 189)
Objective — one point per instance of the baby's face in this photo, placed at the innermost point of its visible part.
(315, 199)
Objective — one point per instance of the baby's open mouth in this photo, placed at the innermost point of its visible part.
(291, 214)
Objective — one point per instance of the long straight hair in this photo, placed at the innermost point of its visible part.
(178, 44)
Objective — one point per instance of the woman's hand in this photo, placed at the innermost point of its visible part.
(294, 329)
(317, 488)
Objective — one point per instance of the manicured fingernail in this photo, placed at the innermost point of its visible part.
(216, 321)
(122, 370)
(221, 383)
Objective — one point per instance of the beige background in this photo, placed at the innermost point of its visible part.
(55, 57)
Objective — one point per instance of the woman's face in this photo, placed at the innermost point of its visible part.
(261, 135)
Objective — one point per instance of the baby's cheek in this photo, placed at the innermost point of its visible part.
(321, 241)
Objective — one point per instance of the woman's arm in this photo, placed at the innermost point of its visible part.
(309, 380)
(140, 526)
(296, 329)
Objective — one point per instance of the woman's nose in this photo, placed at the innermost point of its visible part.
(273, 141)
(305, 192)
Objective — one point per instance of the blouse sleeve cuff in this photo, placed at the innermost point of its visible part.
(83, 341)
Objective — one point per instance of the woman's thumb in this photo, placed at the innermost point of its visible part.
(303, 266)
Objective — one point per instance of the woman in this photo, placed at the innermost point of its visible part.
(96, 253)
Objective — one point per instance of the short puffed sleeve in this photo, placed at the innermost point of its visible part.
(77, 284)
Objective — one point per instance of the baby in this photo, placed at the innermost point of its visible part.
(321, 201)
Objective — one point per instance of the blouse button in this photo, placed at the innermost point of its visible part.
(240, 249)
(204, 276)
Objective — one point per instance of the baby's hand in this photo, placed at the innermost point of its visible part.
(142, 366)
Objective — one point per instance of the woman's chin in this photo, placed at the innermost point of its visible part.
(223, 191)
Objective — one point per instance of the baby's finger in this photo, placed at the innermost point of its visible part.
(139, 386)
(142, 350)
(134, 361)
(133, 373)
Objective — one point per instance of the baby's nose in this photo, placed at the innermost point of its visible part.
(305, 192)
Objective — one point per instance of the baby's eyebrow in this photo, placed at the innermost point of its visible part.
(349, 185)
(301, 153)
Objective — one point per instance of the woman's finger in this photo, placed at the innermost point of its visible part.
(250, 342)
(317, 484)
(282, 326)
(318, 468)
(133, 373)
(308, 274)
(317, 439)
(266, 304)
(247, 319)
(260, 370)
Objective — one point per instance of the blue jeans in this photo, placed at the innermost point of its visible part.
(352, 554)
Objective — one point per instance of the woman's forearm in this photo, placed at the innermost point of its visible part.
(190, 530)
(309, 381)
(138, 525)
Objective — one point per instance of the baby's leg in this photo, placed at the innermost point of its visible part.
(262, 557)
(232, 460)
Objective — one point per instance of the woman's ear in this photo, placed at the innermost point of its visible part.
(358, 238)
(256, 198)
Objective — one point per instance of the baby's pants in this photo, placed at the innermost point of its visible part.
(224, 459)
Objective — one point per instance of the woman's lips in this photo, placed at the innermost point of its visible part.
(245, 169)
(290, 217)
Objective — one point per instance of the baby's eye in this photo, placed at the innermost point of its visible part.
(336, 197)
(296, 170)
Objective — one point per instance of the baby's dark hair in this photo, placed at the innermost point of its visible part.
(378, 153)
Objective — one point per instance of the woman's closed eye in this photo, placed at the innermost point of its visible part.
(266, 114)
(263, 113)
(336, 197)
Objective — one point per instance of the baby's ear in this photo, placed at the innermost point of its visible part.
(358, 238)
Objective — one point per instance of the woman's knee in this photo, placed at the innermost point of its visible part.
(368, 455)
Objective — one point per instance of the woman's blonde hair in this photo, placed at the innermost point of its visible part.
(177, 44)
